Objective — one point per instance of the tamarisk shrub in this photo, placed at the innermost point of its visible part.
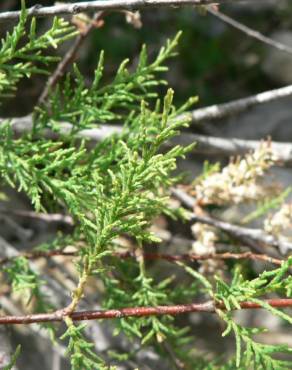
(114, 189)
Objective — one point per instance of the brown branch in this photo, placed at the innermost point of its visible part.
(156, 256)
(206, 307)
(249, 31)
(196, 257)
(90, 6)
(69, 57)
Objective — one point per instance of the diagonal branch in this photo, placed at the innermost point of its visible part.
(219, 111)
(90, 6)
(249, 31)
(69, 57)
(206, 307)
(252, 237)
(213, 145)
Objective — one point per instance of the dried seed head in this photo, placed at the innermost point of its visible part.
(280, 221)
(238, 181)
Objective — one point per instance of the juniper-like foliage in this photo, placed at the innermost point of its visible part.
(18, 61)
(113, 188)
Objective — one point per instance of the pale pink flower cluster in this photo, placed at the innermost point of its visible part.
(238, 181)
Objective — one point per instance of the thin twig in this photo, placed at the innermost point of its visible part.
(216, 256)
(39, 254)
(218, 111)
(252, 237)
(90, 6)
(69, 57)
(249, 31)
(207, 307)
(212, 145)
(10, 307)
(155, 256)
(46, 217)
(55, 290)
(177, 363)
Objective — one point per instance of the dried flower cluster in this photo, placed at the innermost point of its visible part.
(205, 239)
(238, 181)
(279, 222)
(205, 244)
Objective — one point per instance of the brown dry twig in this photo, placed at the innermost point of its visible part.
(206, 307)
(156, 256)
(70, 56)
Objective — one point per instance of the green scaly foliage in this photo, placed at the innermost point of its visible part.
(18, 61)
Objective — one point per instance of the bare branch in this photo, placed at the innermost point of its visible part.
(46, 217)
(252, 237)
(206, 144)
(69, 57)
(207, 307)
(219, 111)
(249, 31)
(212, 112)
(89, 6)
(249, 235)
(212, 145)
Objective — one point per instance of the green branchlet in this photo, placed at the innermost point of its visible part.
(31, 57)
